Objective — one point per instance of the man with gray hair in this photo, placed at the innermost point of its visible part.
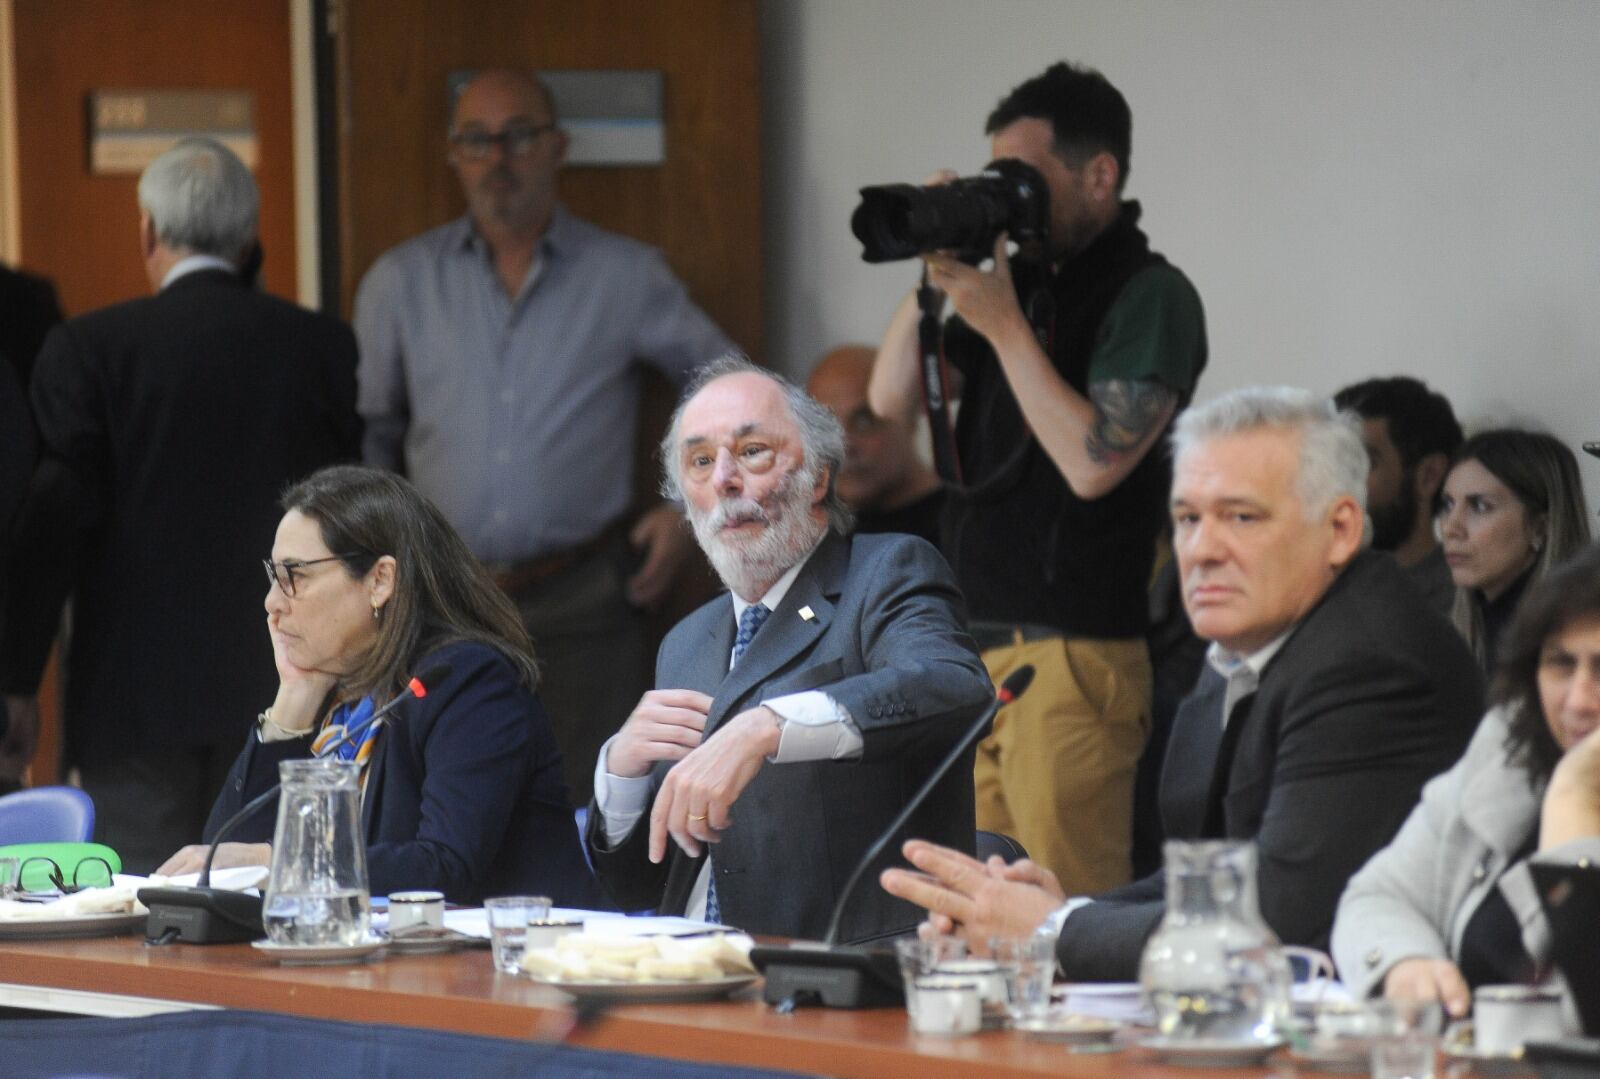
(1326, 703)
(168, 426)
(749, 784)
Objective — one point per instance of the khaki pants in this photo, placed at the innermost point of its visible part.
(1057, 772)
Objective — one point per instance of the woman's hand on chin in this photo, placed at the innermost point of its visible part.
(192, 859)
(1571, 807)
(301, 691)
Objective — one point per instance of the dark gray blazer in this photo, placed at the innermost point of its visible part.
(887, 641)
(1372, 695)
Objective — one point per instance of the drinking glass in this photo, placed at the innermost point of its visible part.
(509, 916)
(1407, 1038)
(1029, 966)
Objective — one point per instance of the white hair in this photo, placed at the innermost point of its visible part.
(1333, 462)
(821, 435)
(201, 199)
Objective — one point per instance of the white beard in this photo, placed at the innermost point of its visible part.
(749, 566)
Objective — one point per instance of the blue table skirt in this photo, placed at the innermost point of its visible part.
(256, 1045)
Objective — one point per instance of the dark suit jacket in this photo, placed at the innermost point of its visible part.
(28, 308)
(464, 793)
(168, 428)
(1372, 695)
(888, 642)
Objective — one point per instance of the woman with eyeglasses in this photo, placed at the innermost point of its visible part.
(1450, 904)
(1510, 509)
(462, 789)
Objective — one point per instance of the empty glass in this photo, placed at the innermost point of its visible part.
(508, 917)
(1029, 966)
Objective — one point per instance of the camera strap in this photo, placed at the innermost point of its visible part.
(935, 386)
(1040, 309)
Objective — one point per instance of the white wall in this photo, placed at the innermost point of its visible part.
(1356, 188)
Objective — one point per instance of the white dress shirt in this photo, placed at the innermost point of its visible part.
(194, 264)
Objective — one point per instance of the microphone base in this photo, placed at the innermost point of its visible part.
(832, 977)
(202, 915)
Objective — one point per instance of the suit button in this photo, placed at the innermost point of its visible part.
(1373, 958)
(238, 784)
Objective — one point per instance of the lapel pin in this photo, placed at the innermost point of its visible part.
(807, 614)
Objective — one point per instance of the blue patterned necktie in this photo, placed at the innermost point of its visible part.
(754, 617)
(752, 620)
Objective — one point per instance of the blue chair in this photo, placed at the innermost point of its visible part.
(996, 843)
(46, 815)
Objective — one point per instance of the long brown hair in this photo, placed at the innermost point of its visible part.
(1542, 472)
(441, 593)
(1568, 594)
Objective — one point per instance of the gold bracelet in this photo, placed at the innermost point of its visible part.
(265, 720)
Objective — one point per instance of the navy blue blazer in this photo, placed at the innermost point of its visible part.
(464, 793)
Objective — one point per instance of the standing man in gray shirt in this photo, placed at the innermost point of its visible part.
(500, 371)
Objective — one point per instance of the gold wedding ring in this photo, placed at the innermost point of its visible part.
(693, 817)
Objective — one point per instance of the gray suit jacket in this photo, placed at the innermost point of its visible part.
(887, 641)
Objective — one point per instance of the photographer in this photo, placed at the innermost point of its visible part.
(1053, 528)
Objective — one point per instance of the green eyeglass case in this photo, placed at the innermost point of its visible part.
(36, 874)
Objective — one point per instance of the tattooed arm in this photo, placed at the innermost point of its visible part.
(1126, 413)
(1094, 441)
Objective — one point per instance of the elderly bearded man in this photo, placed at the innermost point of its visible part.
(1331, 694)
(793, 718)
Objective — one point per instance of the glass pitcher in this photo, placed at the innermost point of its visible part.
(1213, 970)
(317, 894)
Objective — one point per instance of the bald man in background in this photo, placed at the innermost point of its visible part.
(502, 361)
(884, 478)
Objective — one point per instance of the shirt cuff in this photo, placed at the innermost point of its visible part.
(1057, 919)
(621, 800)
(813, 727)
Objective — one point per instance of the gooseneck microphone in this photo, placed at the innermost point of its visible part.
(842, 976)
(206, 915)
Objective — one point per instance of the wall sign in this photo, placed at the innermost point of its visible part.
(128, 129)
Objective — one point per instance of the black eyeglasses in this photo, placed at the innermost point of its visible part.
(91, 872)
(517, 140)
(283, 574)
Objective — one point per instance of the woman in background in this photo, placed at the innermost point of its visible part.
(1511, 508)
(462, 789)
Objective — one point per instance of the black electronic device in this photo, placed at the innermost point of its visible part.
(964, 217)
(206, 915)
(1570, 896)
(863, 975)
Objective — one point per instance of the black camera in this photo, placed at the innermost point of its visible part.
(900, 221)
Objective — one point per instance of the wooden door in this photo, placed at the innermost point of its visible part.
(702, 206)
(80, 229)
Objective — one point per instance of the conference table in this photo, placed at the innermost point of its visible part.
(461, 992)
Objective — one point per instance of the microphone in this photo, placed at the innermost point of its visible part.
(205, 915)
(844, 976)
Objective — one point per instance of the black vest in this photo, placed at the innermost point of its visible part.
(1025, 548)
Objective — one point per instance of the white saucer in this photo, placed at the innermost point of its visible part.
(1067, 1029)
(291, 955)
(1210, 1052)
